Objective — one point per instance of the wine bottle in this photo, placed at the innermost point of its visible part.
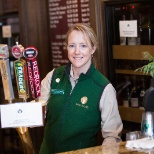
(134, 95)
(147, 31)
(131, 40)
(124, 92)
(148, 102)
(142, 93)
(123, 40)
(126, 97)
(139, 39)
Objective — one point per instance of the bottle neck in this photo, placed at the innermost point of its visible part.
(131, 17)
(123, 17)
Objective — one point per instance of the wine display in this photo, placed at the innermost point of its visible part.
(129, 33)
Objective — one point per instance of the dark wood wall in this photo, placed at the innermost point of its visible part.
(97, 22)
(34, 31)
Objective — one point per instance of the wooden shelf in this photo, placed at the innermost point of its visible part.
(131, 114)
(133, 52)
(131, 72)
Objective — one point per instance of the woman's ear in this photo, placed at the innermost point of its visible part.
(93, 49)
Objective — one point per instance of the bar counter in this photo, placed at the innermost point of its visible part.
(118, 148)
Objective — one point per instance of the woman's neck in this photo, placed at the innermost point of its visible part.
(78, 70)
(76, 73)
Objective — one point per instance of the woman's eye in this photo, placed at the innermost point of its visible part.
(83, 46)
(71, 46)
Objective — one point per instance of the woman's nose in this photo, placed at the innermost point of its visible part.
(77, 49)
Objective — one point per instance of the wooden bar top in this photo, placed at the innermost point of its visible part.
(118, 148)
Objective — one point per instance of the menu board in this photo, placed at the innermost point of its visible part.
(62, 14)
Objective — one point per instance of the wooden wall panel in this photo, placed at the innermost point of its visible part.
(97, 22)
(35, 31)
(1, 8)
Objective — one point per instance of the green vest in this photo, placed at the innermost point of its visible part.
(73, 118)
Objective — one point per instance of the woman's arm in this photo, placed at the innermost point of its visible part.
(111, 123)
(45, 92)
(45, 88)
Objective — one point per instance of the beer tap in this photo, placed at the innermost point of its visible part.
(23, 92)
(5, 73)
(30, 54)
(20, 72)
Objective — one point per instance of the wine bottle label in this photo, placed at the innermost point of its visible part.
(131, 40)
(134, 102)
(125, 103)
(122, 40)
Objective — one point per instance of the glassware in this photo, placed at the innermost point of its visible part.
(147, 124)
(133, 135)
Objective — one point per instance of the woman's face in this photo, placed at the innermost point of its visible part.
(79, 51)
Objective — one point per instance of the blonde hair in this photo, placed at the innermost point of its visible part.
(86, 30)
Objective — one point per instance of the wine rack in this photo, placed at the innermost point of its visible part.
(133, 54)
(126, 60)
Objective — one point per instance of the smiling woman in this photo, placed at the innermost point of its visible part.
(80, 100)
(81, 45)
(79, 53)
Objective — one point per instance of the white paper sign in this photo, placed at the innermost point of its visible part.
(6, 31)
(21, 114)
(128, 28)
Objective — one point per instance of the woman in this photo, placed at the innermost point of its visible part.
(80, 99)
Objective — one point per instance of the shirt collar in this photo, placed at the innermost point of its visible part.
(69, 71)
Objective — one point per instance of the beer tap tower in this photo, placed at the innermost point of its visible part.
(22, 67)
(23, 92)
